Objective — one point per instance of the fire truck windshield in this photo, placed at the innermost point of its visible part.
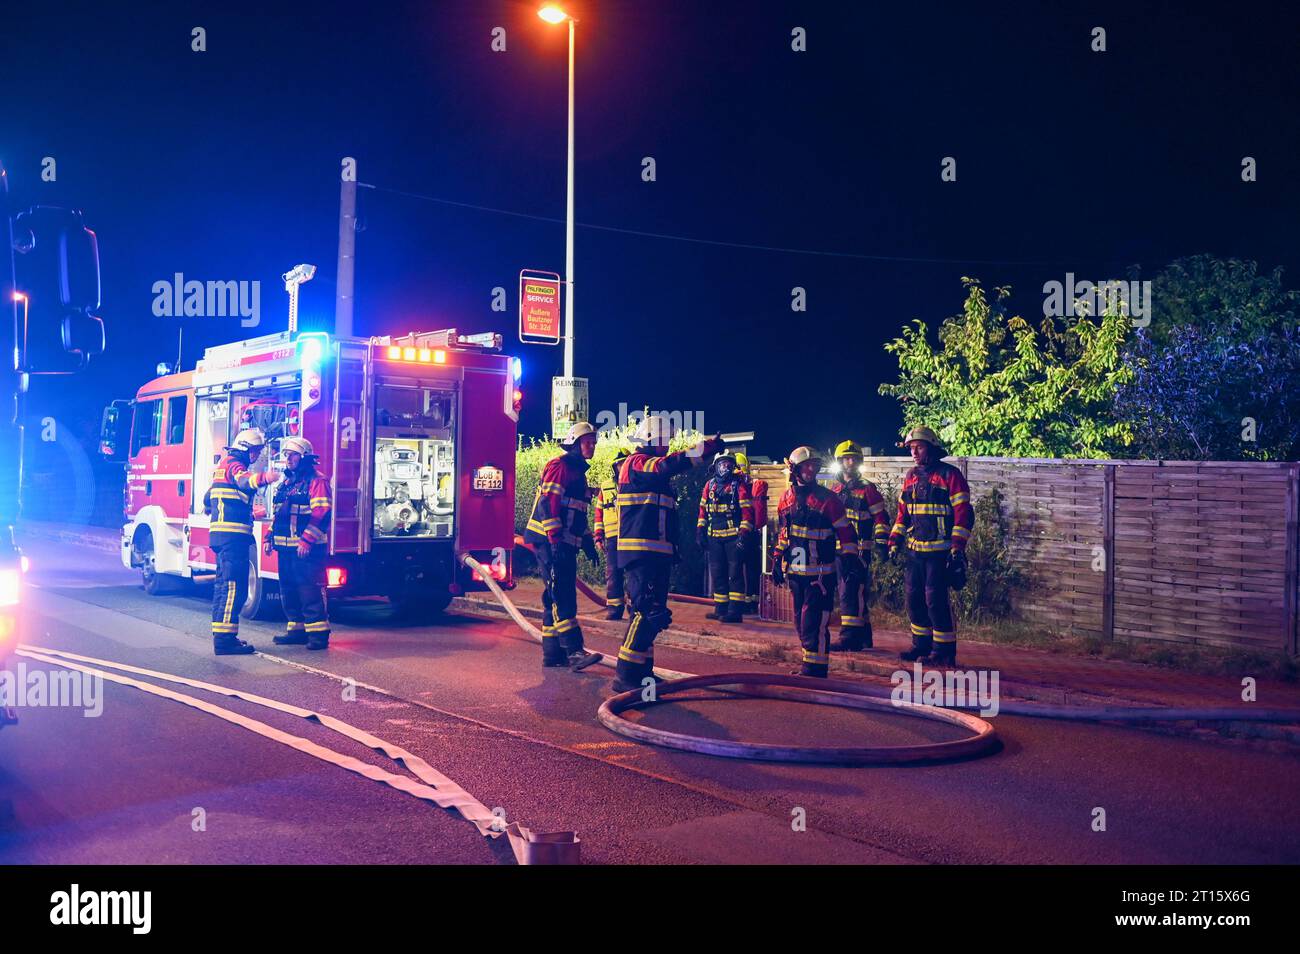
(415, 464)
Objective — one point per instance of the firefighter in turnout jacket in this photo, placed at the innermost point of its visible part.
(229, 502)
(865, 509)
(723, 531)
(557, 530)
(812, 528)
(605, 533)
(754, 552)
(935, 518)
(647, 534)
(299, 536)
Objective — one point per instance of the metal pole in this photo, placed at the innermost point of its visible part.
(347, 258)
(568, 231)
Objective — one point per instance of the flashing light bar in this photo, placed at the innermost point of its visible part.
(417, 355)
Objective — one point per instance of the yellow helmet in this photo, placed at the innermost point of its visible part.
(742, 463)
(848, 449)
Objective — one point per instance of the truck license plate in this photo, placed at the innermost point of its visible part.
(489, 478)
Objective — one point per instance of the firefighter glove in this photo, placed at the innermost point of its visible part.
(957, 569)
(589, 548)
(778, 572)
(882, 552)
(701, 538)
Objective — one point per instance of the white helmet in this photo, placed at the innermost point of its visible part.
(296, 445)
(656, 431)
(578, 430)
(247, 439)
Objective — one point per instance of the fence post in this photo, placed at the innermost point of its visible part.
(1290, 622)
(1108, 553)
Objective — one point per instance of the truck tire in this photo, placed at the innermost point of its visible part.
(263, 600)
(155, 583)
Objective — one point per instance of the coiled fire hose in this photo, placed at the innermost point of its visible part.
(857, 695)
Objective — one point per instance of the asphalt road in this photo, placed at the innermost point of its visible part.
(470, 697)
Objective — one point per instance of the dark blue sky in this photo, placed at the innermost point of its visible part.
(224, 165)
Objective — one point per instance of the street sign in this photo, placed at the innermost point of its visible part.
(570, 403)
(539, 307)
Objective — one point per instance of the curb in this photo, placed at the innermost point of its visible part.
(1273, 735)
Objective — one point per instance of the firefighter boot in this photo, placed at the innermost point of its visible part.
(578, 657)
(944, 654)
(625, 681)
(553, 653)
(919, 650)
(614, 612)
(318, 641)
(295, 635)
(228, 644)
(735, 612)
(851, 640)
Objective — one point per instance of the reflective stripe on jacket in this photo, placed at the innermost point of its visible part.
(865, 508)
(812, 527)
(647, 505)
(725, 507)
(302, 510)
(560, 506)
(934, 510)
(230, 500)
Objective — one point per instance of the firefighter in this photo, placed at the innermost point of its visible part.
(557, 530)
(812, 528)
(935, 518)
(229, 501)
(605, 533)
(647, 531)
(723, 531)
(299, 531)
(754, 552)
(865, 508)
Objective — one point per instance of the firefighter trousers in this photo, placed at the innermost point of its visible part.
(613, 581)
(928, 609)
(647, 581)
(727, 571)
(230, 589)
(812, 615)
(561, 634)
(855, 614)
(302, 593)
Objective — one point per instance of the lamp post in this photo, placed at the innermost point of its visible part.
(553, 14)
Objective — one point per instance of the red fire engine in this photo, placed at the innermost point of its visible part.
(416, 434)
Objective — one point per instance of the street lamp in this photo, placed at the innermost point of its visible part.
(553, 14)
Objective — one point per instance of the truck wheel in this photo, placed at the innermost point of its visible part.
(420, 605)
(263, 600)
(155, 583)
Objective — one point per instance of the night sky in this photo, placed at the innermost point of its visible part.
(224, 165)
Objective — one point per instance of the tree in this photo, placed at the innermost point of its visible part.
(1216, 394)
(999, 386)
(1220, 296)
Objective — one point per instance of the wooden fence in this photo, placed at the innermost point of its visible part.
(1174, 551)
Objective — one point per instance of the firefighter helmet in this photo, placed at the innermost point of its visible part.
(247, 439)
(655, 431)
(922, 434)
(742, 463)
(724, 455)
(297, 445)
(579, 430)
(801, 455)
(848, 449)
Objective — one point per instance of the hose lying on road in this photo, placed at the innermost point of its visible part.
(599, 600)
(832, 692)
(796, 688)
(529, 847)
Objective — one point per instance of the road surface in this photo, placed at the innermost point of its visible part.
(470, 697)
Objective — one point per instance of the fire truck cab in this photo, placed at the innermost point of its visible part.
(417, 436)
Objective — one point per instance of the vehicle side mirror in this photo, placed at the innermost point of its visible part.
(114, 431)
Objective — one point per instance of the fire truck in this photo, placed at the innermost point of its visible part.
(417, 435)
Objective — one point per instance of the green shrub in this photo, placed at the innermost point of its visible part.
(532, 457)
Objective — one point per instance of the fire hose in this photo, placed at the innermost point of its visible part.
(855, 695)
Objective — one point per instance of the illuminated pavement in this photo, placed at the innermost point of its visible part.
(470, 697)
